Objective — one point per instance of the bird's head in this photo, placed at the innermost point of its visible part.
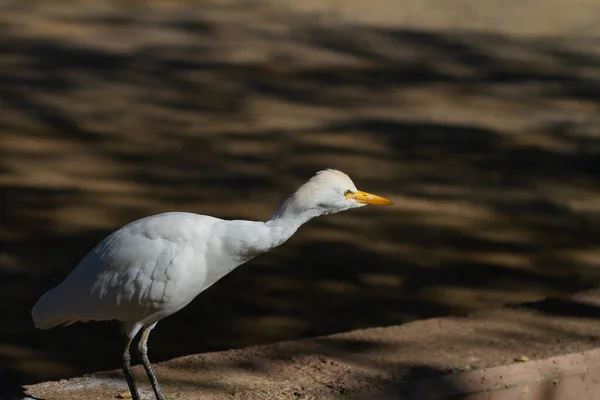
(329, 191)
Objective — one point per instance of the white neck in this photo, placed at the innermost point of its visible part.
(251, 239)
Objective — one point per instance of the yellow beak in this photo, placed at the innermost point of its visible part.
(368, 198)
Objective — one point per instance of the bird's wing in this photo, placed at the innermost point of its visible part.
(151, 264)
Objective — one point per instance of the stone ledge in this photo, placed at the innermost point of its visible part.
(472, 357)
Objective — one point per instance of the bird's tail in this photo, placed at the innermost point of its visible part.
(51, 310)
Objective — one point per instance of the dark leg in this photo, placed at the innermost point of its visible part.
(143, 351)
(127, 371)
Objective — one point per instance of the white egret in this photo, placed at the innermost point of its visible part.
(153, 267)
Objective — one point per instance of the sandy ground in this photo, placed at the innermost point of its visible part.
(479, 119)
(415, 361)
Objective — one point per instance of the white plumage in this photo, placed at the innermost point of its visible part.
(153, 267)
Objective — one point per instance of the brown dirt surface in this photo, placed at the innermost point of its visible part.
(479, 119)
(377, 363)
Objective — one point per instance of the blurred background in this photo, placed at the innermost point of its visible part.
(479, 118)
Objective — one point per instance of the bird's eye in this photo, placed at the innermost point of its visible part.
(347, 192)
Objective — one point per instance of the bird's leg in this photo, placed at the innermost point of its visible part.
(127, 370)
(143, 352)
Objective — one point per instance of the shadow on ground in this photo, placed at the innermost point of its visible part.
(488, 145)
(434, 358)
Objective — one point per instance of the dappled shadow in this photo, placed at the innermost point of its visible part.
(564, 308)
(485, 142)
(426, 359)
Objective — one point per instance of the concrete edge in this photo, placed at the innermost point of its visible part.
(476, 357)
